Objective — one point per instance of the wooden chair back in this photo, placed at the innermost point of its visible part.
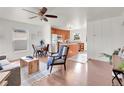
(33, 46)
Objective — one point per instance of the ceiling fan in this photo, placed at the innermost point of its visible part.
(41, 13)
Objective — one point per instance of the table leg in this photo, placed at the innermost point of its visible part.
(116, 76)
(113, 80)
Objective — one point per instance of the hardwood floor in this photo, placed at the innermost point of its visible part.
(78, 74)
(93, 73)
(74, 75)
(99, 73)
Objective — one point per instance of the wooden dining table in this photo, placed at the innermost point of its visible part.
(116, 61)
(41, 49)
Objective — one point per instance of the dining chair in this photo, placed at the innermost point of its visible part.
(46, 50)
(36, 52)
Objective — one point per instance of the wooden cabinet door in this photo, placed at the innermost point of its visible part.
(65, 33)
(53, 31)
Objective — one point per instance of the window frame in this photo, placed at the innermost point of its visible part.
(14, 39)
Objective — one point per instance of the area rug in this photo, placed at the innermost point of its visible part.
(81, 57)
(27, 80)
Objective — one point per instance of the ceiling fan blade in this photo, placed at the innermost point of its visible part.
(43, 10)
(29, 11)
(45, 19)
(32, 17)
(52, 16)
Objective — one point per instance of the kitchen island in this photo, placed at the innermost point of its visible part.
(74, 48)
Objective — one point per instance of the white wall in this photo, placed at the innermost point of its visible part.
(105, 35)
(83, 34)
(36, 33)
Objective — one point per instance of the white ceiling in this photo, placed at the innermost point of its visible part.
(72, 18)
(96, 13)
(68, 17)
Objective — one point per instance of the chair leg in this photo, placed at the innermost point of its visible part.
(46, 53)
(65, 67)
(47, 67)
(51, 68)
(33, 53)
(113, 80)
(116, 76)
(36, 54)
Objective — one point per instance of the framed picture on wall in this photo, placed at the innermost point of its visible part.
(76, 36)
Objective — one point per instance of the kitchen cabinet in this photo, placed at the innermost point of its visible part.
(73, 49)
(60, 32)
(81, 46)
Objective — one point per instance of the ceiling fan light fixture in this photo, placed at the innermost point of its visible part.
(42, 14)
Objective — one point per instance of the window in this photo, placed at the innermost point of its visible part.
(20, 40)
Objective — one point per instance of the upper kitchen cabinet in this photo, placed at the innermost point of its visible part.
(64, 34)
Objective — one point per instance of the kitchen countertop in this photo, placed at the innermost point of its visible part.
(71, 43)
